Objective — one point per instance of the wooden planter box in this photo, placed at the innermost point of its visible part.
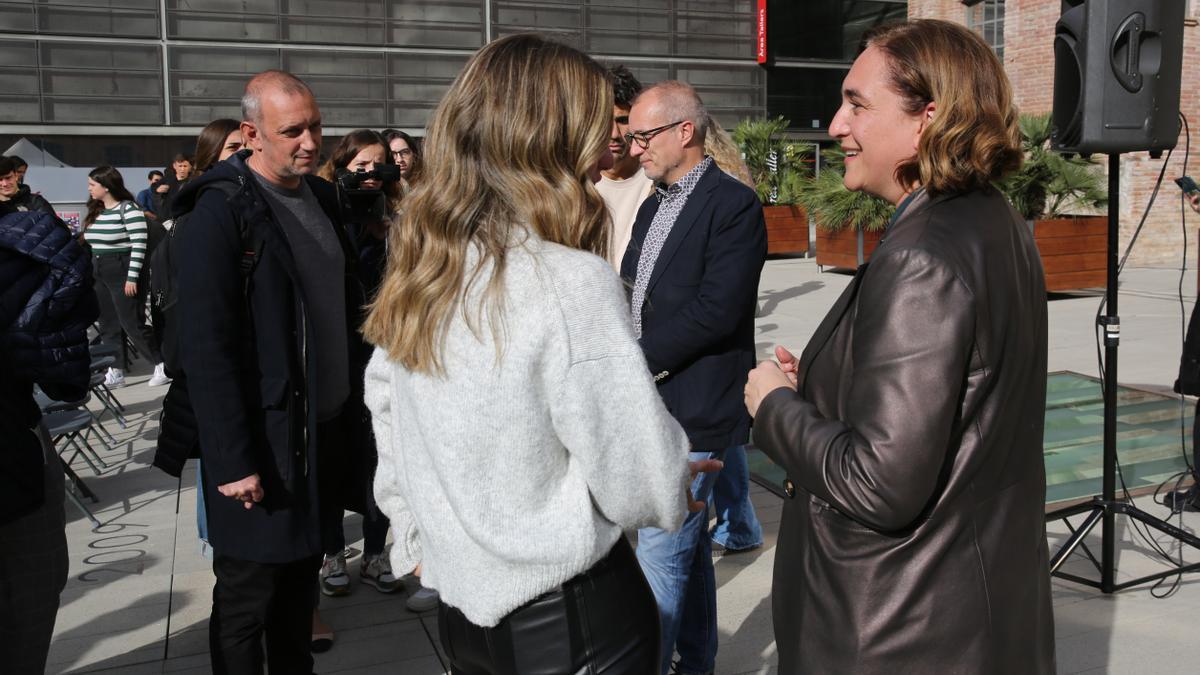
(847, 248)
(787, 229)
(1073, 250)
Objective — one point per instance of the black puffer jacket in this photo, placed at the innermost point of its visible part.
(46, 299)
(46, 305)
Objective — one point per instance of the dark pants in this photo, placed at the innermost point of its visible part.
(374, 528)
(33, 571)
(342, 475)
(602, 621)
(119, 311)
(253, 599)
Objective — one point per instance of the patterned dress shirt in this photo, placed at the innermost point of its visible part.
(671, 203)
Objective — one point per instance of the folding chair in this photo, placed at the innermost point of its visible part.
(101, 390)
(76, 484)
(70, 428)
(49, 405)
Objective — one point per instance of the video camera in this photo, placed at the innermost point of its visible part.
(359, 206)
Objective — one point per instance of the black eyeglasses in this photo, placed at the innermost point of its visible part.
(643, 138)
(402, 153)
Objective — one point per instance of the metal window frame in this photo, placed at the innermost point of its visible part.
(756, 87)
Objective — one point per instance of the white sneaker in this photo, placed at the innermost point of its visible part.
(115, 377)
(159, 377)
(423, 600)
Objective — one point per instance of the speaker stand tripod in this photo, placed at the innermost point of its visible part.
(1106, 507)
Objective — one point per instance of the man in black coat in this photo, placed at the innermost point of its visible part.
(267, 361)
(693, 264)
(46, 306)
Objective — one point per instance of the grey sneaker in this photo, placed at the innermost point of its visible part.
(423, 600)
(334, 580)
(377, 571)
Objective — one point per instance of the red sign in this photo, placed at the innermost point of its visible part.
(762, 31)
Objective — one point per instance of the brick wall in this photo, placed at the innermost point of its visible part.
(1029, 60)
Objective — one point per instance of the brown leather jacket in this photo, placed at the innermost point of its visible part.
(914, 540)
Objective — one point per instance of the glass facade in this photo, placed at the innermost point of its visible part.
(371, 62)
(164, 68)
(812, 44)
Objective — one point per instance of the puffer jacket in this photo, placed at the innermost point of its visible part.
(46, 305)
(46, 299)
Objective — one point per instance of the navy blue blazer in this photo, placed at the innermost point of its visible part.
(698, 317)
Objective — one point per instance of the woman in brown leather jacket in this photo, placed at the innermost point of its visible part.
(913, 538)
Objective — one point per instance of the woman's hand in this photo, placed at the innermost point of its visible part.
(130, 289)
(763, 380)
(788, 363)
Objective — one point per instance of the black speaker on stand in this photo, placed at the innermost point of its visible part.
(1117, 69)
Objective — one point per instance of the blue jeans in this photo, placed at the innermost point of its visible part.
(737, 527)
(678, 566)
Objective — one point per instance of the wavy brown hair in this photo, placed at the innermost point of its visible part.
(974, 137)
(348, 148)
(508, 152)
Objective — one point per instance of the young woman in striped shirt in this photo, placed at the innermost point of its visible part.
(115, 228)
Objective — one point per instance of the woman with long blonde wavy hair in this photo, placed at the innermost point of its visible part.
(518, 426)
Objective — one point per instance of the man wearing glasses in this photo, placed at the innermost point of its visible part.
(625, 186)
(693, 265)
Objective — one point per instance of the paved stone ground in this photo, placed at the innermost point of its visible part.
(138, 595)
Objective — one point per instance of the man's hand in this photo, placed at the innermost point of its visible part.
(130, 289)
(763, 380)
(247, 490)
(1194, 200)
(162, 188)
(702, 466)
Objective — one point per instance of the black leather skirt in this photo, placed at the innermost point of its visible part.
(602, 621)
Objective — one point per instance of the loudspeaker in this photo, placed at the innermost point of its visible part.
(1117, 67)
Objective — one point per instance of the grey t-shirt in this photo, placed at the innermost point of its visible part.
(321, 265)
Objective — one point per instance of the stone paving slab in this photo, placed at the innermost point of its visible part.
(138, 594)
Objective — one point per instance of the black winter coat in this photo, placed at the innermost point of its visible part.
(46, 306)
(250, 370)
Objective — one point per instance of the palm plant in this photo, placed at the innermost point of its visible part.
(776, 165)
(833, 207)
(1050, 184)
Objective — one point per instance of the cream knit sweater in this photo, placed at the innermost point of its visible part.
(505, 479)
